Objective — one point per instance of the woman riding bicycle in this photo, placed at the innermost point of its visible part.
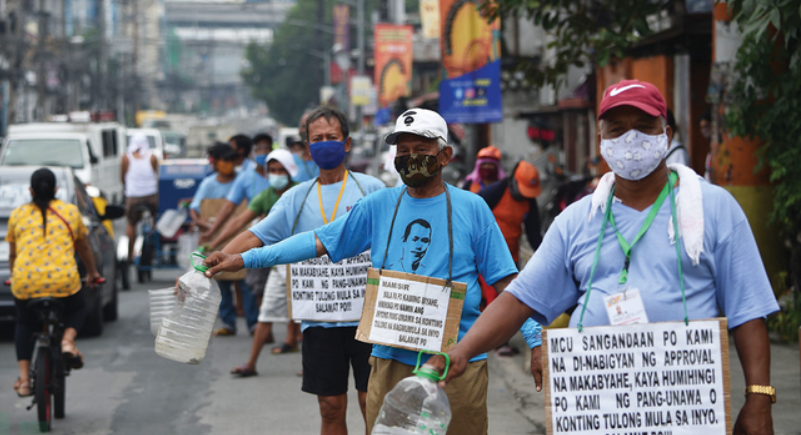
(43, 236)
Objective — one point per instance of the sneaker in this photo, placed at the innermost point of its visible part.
(223, 332)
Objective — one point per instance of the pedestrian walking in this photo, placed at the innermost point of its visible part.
(43, 237)
(425, 228)
(487, 170)
(329, 348)
(139, 169)
(718, 269)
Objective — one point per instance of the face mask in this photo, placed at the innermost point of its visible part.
(328, 154)
(260, 159)
(417, 169)
(634, 154)
(488, 174)
(278, 182)
(225, 168)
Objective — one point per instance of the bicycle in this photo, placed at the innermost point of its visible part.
(49, 369)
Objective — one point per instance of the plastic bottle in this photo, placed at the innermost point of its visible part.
(187, 244)
(184, 334)
(171, 220)
(161, 304)
(417, 404)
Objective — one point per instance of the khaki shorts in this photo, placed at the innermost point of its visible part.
(134, 207)
(467, 394)
(274, 306)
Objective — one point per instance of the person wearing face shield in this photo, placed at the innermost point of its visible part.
(426, 228)
(251, 180)
(712, 267)
(329, 348)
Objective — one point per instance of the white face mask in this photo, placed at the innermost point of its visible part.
(634, 154)
(278, 182)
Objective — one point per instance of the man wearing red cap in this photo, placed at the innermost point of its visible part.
(584, 261)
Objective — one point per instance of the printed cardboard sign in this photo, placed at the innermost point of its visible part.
(656, 378)
(208, 211)
(410, 311)
(322, 291)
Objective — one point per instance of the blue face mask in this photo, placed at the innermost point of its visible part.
(328, 154)
(260, 159)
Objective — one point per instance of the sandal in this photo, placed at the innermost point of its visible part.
(244, 372)
(23, 388)
(224, 332)
(71, 355)
(284, 348)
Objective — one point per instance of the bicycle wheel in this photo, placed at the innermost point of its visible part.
(59, 387)
(43, 388)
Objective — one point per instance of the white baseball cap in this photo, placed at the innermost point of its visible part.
(285, 158)
(420, 122)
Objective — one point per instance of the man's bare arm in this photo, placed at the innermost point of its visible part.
(244, 242)
(501, 285)
(222, 215)
(233, 226)
(753, 348)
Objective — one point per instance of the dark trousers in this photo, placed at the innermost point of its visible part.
(28, 321)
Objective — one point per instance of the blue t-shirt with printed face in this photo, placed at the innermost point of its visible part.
(729, 276)
(307, 169)
(419, 245)
(210, 188)
(248, 185)
(277, 226)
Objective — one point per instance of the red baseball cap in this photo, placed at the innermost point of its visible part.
(528, 180)
(642, 95)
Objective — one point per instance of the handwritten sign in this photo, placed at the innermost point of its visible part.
(410, 311)
(655, 378)
(322, 291)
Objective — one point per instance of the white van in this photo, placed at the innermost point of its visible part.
(93, 150)
(154, 138)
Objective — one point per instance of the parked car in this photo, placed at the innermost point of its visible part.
(102, 300)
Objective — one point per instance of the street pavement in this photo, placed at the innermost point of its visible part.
(125, 388)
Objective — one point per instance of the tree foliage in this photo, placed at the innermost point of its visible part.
(583, 31)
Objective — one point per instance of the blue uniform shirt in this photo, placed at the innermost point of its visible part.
(730, 274)
(420, 245)
(210, 188)
(248, 184)
(307, 170)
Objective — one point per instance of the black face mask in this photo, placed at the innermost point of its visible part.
(515, 191)
(417, 169)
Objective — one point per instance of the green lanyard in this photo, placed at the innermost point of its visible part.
(627, 247)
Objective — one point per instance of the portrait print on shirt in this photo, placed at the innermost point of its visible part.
(415, 243)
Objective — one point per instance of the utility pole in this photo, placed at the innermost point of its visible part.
(39, 111)
(103, 61)
(360, 45)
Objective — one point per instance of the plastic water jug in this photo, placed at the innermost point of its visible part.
(184, 334)
(187, 244)
(170, 222)
(417, 405)
(161, 304)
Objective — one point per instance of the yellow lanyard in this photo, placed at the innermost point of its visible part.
(336, 206)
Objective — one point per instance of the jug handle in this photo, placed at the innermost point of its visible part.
(447, 361)
(199, 267)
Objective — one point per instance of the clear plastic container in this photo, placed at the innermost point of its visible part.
(170, 222)
(187, 244)
(161, 304)
(417, 405)
(184, 334)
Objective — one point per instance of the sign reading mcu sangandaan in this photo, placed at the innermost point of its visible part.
(655, 379)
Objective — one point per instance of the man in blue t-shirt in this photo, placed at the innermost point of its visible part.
(721, 269)
(216, 185)
(328, 348)
(416, 234)
(300, 151)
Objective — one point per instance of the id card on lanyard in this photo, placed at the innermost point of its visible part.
(626, 306)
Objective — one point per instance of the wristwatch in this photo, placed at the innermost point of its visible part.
(762, 389)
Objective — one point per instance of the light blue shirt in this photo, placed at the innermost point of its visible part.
(420, 243)
(210, 188)
(730, 274)
(277, 226)
(248, 184)
(307, 170)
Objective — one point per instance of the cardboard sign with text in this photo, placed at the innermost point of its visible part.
(322, 291)
(656, 378)
(410, 311)
(208, 211)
